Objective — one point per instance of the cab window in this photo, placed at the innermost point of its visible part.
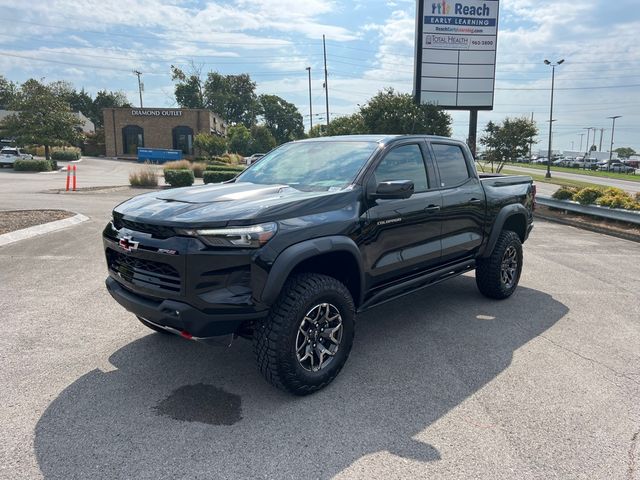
(403, 163)
(451, 164)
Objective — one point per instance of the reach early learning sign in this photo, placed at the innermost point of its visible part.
(456, 53)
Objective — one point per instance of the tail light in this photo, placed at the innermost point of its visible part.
(534, 191)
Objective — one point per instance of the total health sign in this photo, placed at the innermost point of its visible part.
(456, 45)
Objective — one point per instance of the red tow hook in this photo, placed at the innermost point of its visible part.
(186, 335)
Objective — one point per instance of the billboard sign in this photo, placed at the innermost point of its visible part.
(456, 53)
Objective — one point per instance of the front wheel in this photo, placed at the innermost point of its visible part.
(498, 276)
(306, 339)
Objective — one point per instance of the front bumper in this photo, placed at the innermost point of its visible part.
(178, 284)
(179, 316)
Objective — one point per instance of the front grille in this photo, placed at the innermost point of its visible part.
(144, 273)
(157, 231)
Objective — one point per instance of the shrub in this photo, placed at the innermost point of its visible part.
(218, 176)
(179, 178)
(637, 197)
(224, 168)
(617, 198)
(177, 165)
(198, 169)
(32, 166)
(565, 193)
(588, 195)
(212, 145)
(144, 177)
(67, 155)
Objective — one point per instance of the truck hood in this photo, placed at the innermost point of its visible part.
(228, 204)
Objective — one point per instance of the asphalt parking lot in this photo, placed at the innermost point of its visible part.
(443, 384)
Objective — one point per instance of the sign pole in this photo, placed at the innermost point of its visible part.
(473, 131)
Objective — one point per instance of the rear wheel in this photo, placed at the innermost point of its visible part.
(498, 276)
(153, 327)
(306, 339)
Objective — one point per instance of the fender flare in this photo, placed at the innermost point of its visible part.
(292, 256)
(502, 217)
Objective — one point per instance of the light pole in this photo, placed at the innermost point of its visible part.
(310, 101)
(140, 87)
(553, 78)
(581, 139)
(586, 153)
(613, 129)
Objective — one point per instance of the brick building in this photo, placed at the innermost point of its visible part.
(126, 129)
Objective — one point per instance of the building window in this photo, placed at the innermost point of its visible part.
(133, 138)
(183, 139)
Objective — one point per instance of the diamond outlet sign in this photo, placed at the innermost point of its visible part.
(456, 53)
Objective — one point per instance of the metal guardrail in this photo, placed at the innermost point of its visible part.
(593, 210)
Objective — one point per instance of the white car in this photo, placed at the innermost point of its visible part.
(8, 156)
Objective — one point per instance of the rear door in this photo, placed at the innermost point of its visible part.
(402, 236)
(463, 201)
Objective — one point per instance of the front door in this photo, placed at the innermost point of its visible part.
(402, 236)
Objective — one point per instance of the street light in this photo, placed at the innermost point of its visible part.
(613, 129)
(553, 78)
(310, 101)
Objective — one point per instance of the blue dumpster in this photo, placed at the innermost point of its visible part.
(158, 155)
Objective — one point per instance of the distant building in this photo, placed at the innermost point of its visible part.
(127, 129)
(86, 125)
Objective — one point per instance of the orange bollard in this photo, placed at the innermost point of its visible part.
(75, 168)
(68, 176)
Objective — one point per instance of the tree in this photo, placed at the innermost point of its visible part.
(106, 99)
(347, 125)
(282, 118)
(594, 148)
(8, 91)
(263, 140)
(317, 130)
(189, 90)
(508, 141)
(240, 140)
(625, 152)
(389, 112)
(43, 117)
(212, 145)
(232, 96)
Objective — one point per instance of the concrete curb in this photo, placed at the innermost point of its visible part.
(43, 229)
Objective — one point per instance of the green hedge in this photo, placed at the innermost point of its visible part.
(65, 155)
(217, 177)
(32, 166)
(179, 178)
(565, 193)
(224, 168)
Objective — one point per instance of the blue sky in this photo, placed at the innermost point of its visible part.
(96, 44)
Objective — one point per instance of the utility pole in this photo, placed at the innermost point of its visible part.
(310, 101)
(140, 87)
(581, 139)
(613, 130)
(553, 77)
(601, 134)
(326, 77)
(588, 129)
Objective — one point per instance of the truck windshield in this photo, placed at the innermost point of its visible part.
(311, 166)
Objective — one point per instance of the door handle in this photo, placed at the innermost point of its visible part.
(475, 201)
(432, 208)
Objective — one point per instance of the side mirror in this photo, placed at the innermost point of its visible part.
(394, 190)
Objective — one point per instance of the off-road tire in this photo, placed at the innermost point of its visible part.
(488, 270)
(274, 338)
(153, 327)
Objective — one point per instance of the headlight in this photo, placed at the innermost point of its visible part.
(254, 236)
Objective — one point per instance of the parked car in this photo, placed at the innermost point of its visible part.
(540, 161)
(617, 167)
(289, 251)
(8, 156)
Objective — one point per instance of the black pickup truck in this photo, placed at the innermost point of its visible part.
(316, 231)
